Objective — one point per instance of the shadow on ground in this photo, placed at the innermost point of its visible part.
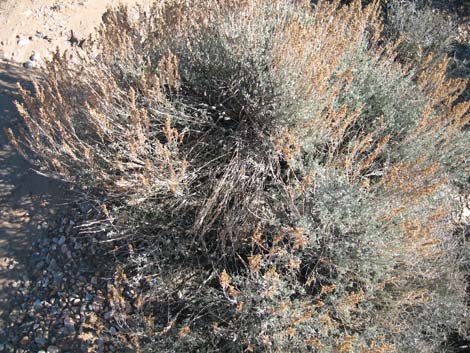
(27, 199)
(53, 275)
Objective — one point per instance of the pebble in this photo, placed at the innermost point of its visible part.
(69, 324)
(53, 266)
(61, 240)
(100, 344)
(53, 349)
(23, 41)
(35, 57)
(40, 265)
(69, 229)
(40, 341)
(28, 64)
(37, 304)
(108, 315)
(40, 35)
(45, 282)
(58, 278)
(76, 302)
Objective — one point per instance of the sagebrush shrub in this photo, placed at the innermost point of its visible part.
(284, 182)
(423, 30)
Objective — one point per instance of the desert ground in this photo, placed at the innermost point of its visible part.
(27, 199)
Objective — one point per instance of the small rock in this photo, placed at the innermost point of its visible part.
(23, 41)
(37, 304)
(113, 331)
(28, 64)
(40, 341)
(40, 35)
(69, 229)
(76, 302)
(100, 344)
(108, 315)
(53, 349)
(69, 324)
(45, 282)
(24, 341)
(54, 310)
(35, 57)
(58, 278)
(61, 240)
(53, 266)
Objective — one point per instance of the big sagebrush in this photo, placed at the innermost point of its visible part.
(284, 183)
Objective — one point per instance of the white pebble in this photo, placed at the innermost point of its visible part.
(23, 41)
(35, 57)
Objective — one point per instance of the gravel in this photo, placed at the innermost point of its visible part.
(63, 289)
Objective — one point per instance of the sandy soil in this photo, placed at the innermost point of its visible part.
(40, 26)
